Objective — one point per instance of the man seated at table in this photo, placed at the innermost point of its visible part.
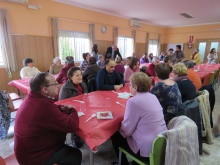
(108, 78)
(41, 126)
(151, 67)
(62, 77)
(192, 75)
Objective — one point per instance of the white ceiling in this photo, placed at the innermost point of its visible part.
(156, 12)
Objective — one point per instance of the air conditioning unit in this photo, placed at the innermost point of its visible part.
(135, 23)
(18, 1)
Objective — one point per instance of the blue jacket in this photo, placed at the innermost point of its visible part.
(106, 81)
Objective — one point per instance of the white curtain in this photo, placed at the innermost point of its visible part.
(8, 55)
(134, 39)
(115, 35)
(158, 45)
(91, 34)
(147, 42)
(55, 33)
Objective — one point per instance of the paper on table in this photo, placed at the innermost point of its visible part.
(124, 95)
(80, 114)
(104, 115)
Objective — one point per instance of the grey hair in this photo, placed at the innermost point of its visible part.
(69, 60)
(56, 59)
(100, 56)
(189, 64)
(155, 58)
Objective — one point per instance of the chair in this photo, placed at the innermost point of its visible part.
(14, 96)
(11, 160)
(157, 155)
(92, 85)
(207, 79)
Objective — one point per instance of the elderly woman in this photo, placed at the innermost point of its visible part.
(28, 71)
(143, 120)
(133, 67)
(144, 59)
(73, 87)
(167, 92)
(101, 61)
(56, 66)
(85, 63)
(186, 87)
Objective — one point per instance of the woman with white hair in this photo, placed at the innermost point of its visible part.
(56, 66)
(196, 57)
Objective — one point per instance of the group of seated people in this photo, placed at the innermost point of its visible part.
(44, 125)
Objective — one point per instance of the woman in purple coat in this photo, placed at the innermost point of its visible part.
(143, 120)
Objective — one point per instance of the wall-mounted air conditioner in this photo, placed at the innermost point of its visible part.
(18, 1)
(135, 23)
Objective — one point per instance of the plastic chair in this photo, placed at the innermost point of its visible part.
(14, 96)
(207, 79)
(157, 154)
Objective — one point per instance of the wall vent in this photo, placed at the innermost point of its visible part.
(186, 15)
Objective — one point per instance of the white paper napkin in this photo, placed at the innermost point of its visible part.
(124, 95)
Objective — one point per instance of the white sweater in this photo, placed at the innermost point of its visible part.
(28, 72)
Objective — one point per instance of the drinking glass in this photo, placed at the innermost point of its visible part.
(108, 103)
(82, 107)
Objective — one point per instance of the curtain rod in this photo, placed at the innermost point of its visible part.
(71, 20)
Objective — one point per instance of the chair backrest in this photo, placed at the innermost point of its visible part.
(92, 85)
(213, 77)
(216, 74)
(157, 156)
(2, 161)
(207, 79)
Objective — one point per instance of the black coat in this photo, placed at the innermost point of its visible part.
(109, 50)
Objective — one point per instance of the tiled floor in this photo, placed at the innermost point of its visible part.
(105, 155)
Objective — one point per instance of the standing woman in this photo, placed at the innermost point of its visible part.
(131, 69)
(143, 121)
(28, 71)
(85, 63)
(212, 56)
(56, 66)
(95, 52)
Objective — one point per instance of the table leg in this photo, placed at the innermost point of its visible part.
(91, 158)
(19, 93)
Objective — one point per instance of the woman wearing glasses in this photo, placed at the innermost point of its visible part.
(73, 87)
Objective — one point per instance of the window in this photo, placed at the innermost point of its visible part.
(153, 46)
(73, 44)
(125, 46)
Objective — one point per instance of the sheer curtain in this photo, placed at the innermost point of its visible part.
(115, 35)
(158, 45)
(55, 33)
(9, 58)
(91, 34)
(134, 39)
(147, 42)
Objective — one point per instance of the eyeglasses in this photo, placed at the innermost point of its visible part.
(56, 83)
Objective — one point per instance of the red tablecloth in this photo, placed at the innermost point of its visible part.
(21, 84)
(95, 132)
(204, 69)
